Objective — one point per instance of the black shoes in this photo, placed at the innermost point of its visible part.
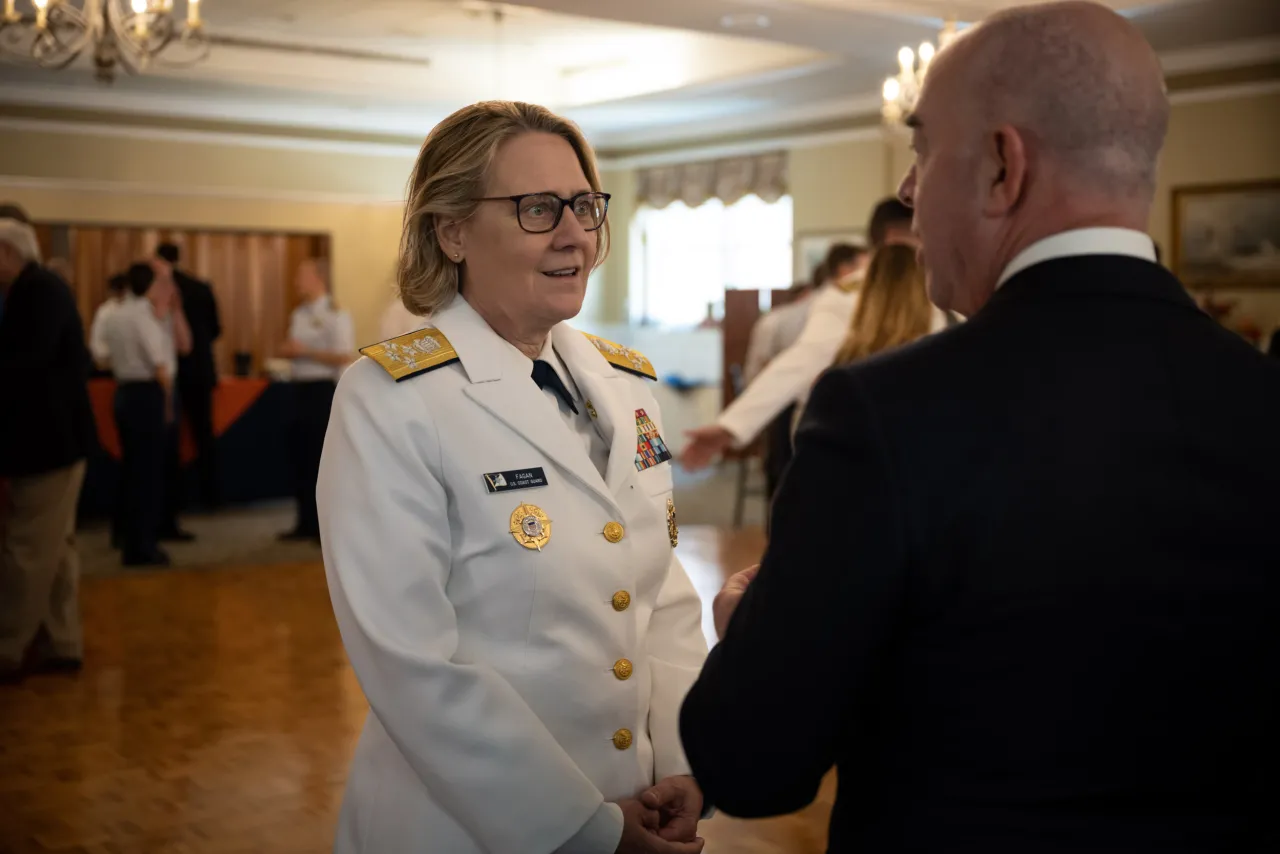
(155, 557)
(176, 535)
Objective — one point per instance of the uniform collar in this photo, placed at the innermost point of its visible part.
(500, 381)
(1081, 241)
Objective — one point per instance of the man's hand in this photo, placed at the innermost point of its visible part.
(640, 832)
(678, 801)
(705, 444)
(726, 601)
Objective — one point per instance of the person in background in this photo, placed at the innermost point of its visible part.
(197, 371)
(321, 343)
(117, 289)
(140, 352)
(46, 434)
(177, 333)
(788, 378)
(772, 334)
(894, 308)
(1022, 588)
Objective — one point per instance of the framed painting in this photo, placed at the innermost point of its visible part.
(810, 249)
(1228, 235)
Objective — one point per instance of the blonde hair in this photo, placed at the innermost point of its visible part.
(893, 309)
(448, 178)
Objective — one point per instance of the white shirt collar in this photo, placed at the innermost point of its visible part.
(1082, 241)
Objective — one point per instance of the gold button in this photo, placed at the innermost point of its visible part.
(622, 669)
(621, 600)
(613, 532)
(622, 739)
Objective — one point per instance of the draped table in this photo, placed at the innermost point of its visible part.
(251, 428)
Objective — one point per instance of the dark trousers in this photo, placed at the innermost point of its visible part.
(312, 401)
(171, 502)
(140, 421)
(197, 406)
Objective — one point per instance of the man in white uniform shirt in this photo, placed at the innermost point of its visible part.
(321, 344)
(787, 378)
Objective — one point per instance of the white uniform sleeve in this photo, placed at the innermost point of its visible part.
(468, 735)
(677, 650)
(794, 370)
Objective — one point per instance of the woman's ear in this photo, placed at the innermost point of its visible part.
(449, 234)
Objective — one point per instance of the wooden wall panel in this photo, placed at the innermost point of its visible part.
(252, 275)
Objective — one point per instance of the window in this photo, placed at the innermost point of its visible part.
(683, 259)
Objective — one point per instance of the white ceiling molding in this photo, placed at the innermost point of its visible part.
(138, 188)
(210, 137)
(760, 120)
(695, 154)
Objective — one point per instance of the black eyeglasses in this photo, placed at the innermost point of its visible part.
(539, 213)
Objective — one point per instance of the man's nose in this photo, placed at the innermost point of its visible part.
(907, 189)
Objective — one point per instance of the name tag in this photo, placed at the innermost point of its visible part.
(505, 481)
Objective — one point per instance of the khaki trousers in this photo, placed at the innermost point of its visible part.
(39, 566)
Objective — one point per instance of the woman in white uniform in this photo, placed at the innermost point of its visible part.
(321, 343)
(499, 532)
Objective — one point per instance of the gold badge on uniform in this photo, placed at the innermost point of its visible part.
(591, 410)
(530, 526)
(673, 530)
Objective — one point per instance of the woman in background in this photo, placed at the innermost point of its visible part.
(321, 343)
(894, 308)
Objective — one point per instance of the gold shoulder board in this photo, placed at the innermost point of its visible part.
(624, 358)
(412, 353)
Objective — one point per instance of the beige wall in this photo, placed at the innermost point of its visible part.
(175, 183)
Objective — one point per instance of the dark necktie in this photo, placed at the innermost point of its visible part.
(545, 375)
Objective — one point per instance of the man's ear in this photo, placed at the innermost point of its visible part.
(1004, 171)
(449, 235)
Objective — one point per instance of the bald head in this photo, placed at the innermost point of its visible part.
(1079, 80)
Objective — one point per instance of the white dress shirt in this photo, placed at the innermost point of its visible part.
(787, 378)
(136, 341)
(1082, 241)
(317, 325)
(98, 330)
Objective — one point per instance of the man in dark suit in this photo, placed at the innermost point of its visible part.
(197, 373)
(46, 434)
(1022, 588)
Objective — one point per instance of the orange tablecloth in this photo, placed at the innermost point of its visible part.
(231, 397)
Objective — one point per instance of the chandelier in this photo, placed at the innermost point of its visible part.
(128, 34)
(901, 91)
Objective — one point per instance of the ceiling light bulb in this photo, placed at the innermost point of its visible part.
(892, 89)
(138, 6)
(926, 52)
(40, 4)
(906, 59)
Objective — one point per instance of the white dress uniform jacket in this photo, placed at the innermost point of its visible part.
(513, 691)
(318, 325)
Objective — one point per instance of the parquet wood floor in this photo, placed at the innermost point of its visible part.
(216, 714)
